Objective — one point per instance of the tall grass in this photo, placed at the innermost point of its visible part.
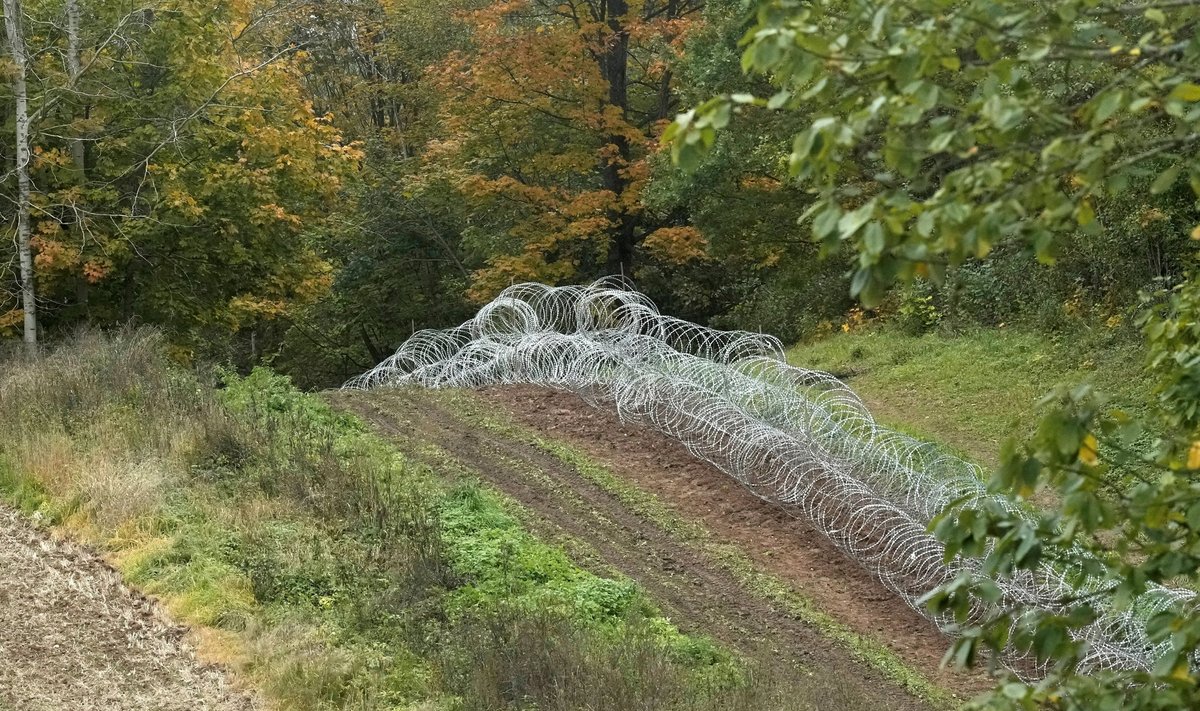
(327, 567)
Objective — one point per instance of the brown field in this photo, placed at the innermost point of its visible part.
(73, 636)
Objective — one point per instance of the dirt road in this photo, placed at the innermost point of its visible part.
(698, 593)
(73, 636)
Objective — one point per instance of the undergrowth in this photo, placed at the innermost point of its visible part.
(326, 566)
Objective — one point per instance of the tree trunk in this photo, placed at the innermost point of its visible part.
(75, 71)
(614, 65)
(78, 147)
(16, 45)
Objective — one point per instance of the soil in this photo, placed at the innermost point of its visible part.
(777, 541)
(698, 594)
(73, 636)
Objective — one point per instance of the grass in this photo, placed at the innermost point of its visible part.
(972, 391)
(328, 567)
(871, 651)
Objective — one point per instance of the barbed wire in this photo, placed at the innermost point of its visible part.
(800, 439)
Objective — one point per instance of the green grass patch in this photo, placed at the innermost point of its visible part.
(335, 570)
(972, 391)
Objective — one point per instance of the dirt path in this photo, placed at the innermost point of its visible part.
(73, 636)
(697, 593)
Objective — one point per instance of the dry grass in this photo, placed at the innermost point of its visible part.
(326, 566)
(118, 490)
(105, 426)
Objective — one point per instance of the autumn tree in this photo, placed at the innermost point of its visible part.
(548, 122)
(395, 241)
(177, 166)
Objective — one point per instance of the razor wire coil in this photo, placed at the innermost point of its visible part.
(800, 439)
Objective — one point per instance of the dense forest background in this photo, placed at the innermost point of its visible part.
(306, 183)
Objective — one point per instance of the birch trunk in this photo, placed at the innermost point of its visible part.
(16, 46)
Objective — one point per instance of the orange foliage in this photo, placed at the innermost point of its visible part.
(677, 244)
(96, 269)
(9, 319)
(535, 144)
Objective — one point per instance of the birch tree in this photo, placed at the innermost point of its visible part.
(16, 47)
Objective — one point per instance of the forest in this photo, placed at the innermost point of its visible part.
(982, 215)
(309, 183)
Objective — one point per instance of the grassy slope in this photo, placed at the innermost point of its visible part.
(972, 391)
(330, 568)
(868, 650)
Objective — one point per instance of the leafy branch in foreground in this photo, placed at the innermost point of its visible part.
(930, 132)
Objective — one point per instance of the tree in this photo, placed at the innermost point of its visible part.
(757, 264)
(549, 121)
(176, 167)
(1031, 117)
(399, 263)
(17, 50)
(943, 129)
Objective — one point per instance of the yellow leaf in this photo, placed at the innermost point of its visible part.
(1182, 671)
(1186, 92)
(1196, 232)
(1088, 451)
(1193, 459)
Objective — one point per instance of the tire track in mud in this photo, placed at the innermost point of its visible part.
(695, 592)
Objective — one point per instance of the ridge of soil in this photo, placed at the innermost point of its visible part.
(74, 636)
(698, 594)
(777, 541)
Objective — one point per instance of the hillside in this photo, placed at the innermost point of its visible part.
(972, 391)
(494, 550)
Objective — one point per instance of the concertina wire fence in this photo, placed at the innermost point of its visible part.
(800, 439)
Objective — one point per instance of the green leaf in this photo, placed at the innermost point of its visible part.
(1107, 106)
(925, 224)
(942, 141)
(855, 219)
(1166, 179)
(874, 239)
(1014, 690)
(1193, 517)
(827, 222)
